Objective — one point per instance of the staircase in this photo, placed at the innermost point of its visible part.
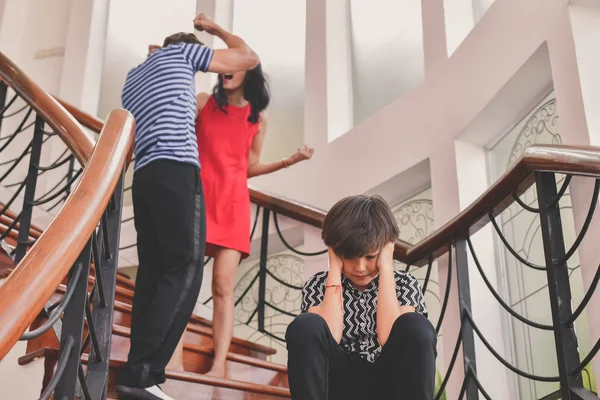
(249, 373)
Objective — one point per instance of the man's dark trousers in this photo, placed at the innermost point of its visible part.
(169, 219)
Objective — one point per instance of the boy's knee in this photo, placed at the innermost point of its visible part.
(305, 328)
(415, 330)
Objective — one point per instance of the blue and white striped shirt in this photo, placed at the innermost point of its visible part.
(161, 95)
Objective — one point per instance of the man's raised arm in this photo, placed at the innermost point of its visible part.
(237, 57)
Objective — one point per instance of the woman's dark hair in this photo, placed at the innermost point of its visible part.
(359, 225)
(256, 92)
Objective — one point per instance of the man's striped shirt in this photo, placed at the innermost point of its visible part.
(161, 95)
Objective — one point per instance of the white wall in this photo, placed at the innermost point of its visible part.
(2, 2)
(480, 7)
(459, 22)
(20, 382)
(340, 93)
(278, 38)
(387, 52)
(84, 54)
(33, 33)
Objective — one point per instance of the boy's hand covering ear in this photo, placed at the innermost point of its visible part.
(385, 259)
(335, 261)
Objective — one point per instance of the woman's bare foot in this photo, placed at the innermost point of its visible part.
(175, 364)
(217, 371)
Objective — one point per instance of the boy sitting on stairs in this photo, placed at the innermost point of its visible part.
(363, 333)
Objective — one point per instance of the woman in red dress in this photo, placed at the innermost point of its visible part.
(230, 126)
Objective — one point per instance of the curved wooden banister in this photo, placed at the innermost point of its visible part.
(86, 120)
(43, 268)
(575, 160)
(66, 126)
(292, 209)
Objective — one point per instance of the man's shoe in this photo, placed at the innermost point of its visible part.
(149, 393)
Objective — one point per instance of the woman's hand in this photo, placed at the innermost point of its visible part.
(152, 48)
(303, 153)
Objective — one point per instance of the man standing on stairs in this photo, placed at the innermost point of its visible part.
(168, 198)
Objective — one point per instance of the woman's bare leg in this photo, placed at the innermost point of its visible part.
(224, 270)
(176, 362)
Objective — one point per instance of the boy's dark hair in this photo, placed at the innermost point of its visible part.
(181, 37)
(358, 225)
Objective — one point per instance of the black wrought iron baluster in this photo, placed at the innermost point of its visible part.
(464, 302)
(558, 283)
(262, 280)
(106, 268)
(70, 174)
(72, 328)
(99, 283)
(105, 239)
(3, 92)
(30, 186)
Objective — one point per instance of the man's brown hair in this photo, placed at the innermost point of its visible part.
(358, 225)
(181, 37)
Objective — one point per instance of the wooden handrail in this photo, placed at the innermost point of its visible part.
(292, 209)
(575, 160)
(46, 264)
(65, 125)
(86, 120)
(43, 268)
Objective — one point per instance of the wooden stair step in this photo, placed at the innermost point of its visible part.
(182, 385)
(6, 264)
(197, 325)
(198, 336)
(198, 331)
(191, 386)
(11, 239)
(124, 309)
(128, 288)
(122, 294)
(239, 367)
(197, 328)
(198, 358)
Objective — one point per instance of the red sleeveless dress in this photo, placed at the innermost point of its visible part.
(224, 141)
